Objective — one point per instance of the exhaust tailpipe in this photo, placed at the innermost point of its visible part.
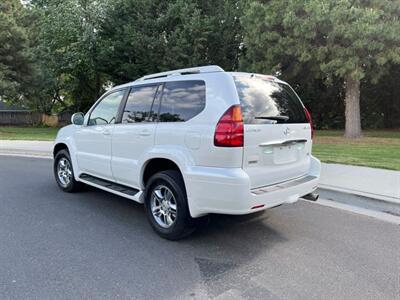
(311, 197)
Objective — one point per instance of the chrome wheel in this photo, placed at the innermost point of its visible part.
(64, 171)
(163, 206)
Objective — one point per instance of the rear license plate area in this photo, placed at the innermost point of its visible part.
(285, 154)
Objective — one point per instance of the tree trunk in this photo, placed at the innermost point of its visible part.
(352, 108)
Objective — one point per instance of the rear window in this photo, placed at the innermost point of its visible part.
(261, 99)
(182, 100)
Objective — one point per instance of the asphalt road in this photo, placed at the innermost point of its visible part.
(95, 245)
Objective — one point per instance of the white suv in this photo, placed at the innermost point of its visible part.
(191, 142)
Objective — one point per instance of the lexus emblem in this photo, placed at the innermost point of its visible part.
(287, 131)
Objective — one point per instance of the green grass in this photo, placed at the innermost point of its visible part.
(378, 149)
(391, 134)
(28, 133)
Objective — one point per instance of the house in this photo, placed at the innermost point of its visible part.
(11, 107)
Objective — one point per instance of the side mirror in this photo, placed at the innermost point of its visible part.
(78, 118)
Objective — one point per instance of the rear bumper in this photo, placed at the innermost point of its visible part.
(227, 191)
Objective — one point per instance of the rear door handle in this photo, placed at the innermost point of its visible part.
(106, 132)
(144, 133)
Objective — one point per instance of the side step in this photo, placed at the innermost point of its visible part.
(109, 185)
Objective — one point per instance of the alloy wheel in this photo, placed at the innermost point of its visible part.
(163, 206)
(64, 171)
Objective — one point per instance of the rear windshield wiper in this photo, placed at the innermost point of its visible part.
(274, 118)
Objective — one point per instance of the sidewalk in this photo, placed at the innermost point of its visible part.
(26, 148)
(361, 181)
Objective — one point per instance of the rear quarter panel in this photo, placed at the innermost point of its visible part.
(197, 134)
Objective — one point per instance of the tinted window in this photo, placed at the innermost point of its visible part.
(106, 110)
(139, 105)
(182, 100)
(266, 98)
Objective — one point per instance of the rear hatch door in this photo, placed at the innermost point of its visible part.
(277, 133)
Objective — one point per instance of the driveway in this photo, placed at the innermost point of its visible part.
(96, 245)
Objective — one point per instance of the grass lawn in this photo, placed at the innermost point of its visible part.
(28, 133)
(378, 149)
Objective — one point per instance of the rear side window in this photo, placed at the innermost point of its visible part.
(139, 105)
(182, 100)
(260, 99)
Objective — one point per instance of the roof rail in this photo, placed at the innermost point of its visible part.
(187, 71)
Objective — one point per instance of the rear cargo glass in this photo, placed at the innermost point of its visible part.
(261, 99)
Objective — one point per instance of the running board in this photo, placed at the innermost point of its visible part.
(112, 187)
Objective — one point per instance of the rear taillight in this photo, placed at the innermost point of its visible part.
(229, 130)
(309, 119)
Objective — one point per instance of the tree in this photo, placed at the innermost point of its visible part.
(381, 101)
(15, 65)
(79, 47)
(145, 36)
(67, 49)
(347, 39)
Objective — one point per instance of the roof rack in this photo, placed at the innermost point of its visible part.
(187, 71)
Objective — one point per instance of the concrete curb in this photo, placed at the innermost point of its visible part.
(361, 181)
(360, 193)
(29, 155)
(26, 148)
(360, 199)
(386, 217)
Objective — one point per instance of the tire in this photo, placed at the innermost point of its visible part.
(158, 190)
(67, 183)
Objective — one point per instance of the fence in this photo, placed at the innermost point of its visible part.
(28, 118)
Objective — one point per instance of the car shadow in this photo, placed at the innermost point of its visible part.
(224, 250)
(224, 247)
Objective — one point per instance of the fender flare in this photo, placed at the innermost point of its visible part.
(178, 155)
